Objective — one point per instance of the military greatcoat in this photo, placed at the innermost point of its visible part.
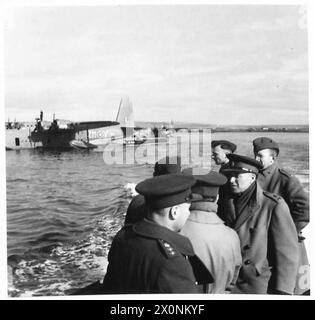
(276, 180)
(269, 243)
(281, 182)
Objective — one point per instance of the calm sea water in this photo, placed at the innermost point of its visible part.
(64, 208)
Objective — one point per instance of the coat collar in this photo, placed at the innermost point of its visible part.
(253, 206)
(204, 206)
(204, 212)
(153, 230)
(269, 170)
(225, 166)
(204, 217)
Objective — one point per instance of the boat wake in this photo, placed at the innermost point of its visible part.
(62, 269)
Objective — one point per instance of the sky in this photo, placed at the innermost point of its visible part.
(231, 64)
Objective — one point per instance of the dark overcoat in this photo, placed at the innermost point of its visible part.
(269, 243)
(136, 210)
(225, 166)
(149, 258)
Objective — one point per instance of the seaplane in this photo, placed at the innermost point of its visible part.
(67, 134)
(87, 135)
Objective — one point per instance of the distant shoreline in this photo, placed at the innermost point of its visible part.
(196, 126)
(270, 130)
(227, 128)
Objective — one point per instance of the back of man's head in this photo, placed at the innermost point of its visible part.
(167, 165)
(207, 183)
(168, 199)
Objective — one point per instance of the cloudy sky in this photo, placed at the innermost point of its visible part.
(210, 64)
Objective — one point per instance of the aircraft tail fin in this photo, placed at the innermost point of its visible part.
(125, 113)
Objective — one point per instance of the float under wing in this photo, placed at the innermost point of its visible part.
(82, 145)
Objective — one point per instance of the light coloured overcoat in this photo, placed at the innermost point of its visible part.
(217, 245)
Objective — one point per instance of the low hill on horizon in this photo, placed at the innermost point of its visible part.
(190, 125)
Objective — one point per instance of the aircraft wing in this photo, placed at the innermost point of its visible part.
(139, 128)
(93, 124)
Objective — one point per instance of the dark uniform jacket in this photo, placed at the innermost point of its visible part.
(276, 180)
(225, 166)
(137, 209)
(149, 258)
(269, 243)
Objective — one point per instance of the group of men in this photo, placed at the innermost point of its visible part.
(199, 231)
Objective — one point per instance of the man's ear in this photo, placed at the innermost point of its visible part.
(173, 212)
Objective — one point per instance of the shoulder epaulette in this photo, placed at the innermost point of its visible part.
(272, 196)
(168, 249)
(285, 172)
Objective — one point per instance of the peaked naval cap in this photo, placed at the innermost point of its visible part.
(166, 190)
(167, 165)
(242, 164)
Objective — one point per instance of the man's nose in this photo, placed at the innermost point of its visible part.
(232, 179)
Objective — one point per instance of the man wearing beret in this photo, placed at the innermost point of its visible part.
(137, 209)
(274, 179)
(220, 150)
(217, 245)
(262, 220)
(150, 256)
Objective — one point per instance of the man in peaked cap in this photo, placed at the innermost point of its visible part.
(262, 220)
(217, 245)
(220, 150)
(150, 256)
(274, 179)
(137, 208)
